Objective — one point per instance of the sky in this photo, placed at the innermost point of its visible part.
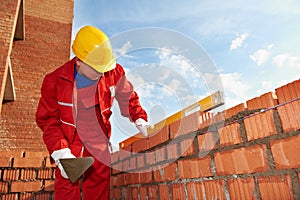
(176, 53)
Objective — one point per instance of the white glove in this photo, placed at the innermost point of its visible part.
(142, 126)
(62, 153)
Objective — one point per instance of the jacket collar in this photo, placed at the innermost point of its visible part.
(68, 70)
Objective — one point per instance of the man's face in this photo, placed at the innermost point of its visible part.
(87, 71)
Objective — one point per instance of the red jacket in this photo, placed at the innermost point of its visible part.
(56, 110)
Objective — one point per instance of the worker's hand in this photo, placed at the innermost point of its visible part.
(142, 126)
(62, 153)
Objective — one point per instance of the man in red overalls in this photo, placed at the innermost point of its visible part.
(75, 108)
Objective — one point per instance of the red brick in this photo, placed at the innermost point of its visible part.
(140, 145)
(164, 192)
(132, 163)
(126, 166)
(9, 196)
(234, 110)
(187, 147)
(283, 152)
(186, 125)
(28, 174)
(160, 154)
(134, 193)
(289, 115)
(123, 154)
(275, 187)
(260, 125)
(220, 116)
(145, 177)
(150, 158)
(141, 160)
(3, 187)
(20, 186)
(241, 188)
(195, 190)
(160, 137)
(206, 142)
(172, 151)
(48, 162)
(166, 172)
(116, 193)
(11, 174)
(242, 160)
(152, 192)
(114, 157)
(24, 196)
(288, 92)
(5, 161)
(42, 196)
(266, 100)
(143, 192)
(178, 191)
(28, 162)
(214, 189)
(194, 168)
(44, 174)
(49, 185)
(230, 134)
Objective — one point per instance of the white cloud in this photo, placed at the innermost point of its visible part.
(286, 60)
(235, 89)
(260, 56)
(238, 42)
(123, 50)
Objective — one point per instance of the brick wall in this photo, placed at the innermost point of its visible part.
(48, 27)
(26, 175)
(253, 153)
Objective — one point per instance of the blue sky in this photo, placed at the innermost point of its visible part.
(253, 45)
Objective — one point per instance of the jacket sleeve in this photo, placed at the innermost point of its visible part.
(48, 116)
(127, 98)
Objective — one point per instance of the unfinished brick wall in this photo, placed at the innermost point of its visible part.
(252, 154)
(48, 27)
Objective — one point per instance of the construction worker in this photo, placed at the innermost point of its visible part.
(74, 111)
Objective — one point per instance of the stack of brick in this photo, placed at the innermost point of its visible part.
(250, 151)
(26, 175)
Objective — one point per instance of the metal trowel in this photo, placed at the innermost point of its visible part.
(75, 167)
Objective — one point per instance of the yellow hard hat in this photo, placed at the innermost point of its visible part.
(92, 46)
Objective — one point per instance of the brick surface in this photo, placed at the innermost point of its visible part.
(241, 188)
(3, 187)
(178, 191)
(195, 190)
(288, 92)
(283, 152)
(152, 192)
(186, 125)
(194, 168)
(166, 172)
(134, 193)
(22, 186)
(143, 192)
(11, 174)
(234, 110)
(266, 100)
(260, 125)
(5, 161)
(172, 151)
(230, 134)
(206, 142)
(187, 147)
(9, 196)
(241, 160)
(160, 137)
(276, 187)
(140, 145)
(49, 185)
(289, 116)
(28, 162)
(164, 192)
(214, 189)
(28, 174)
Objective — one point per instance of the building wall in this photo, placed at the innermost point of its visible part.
(48, 27)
